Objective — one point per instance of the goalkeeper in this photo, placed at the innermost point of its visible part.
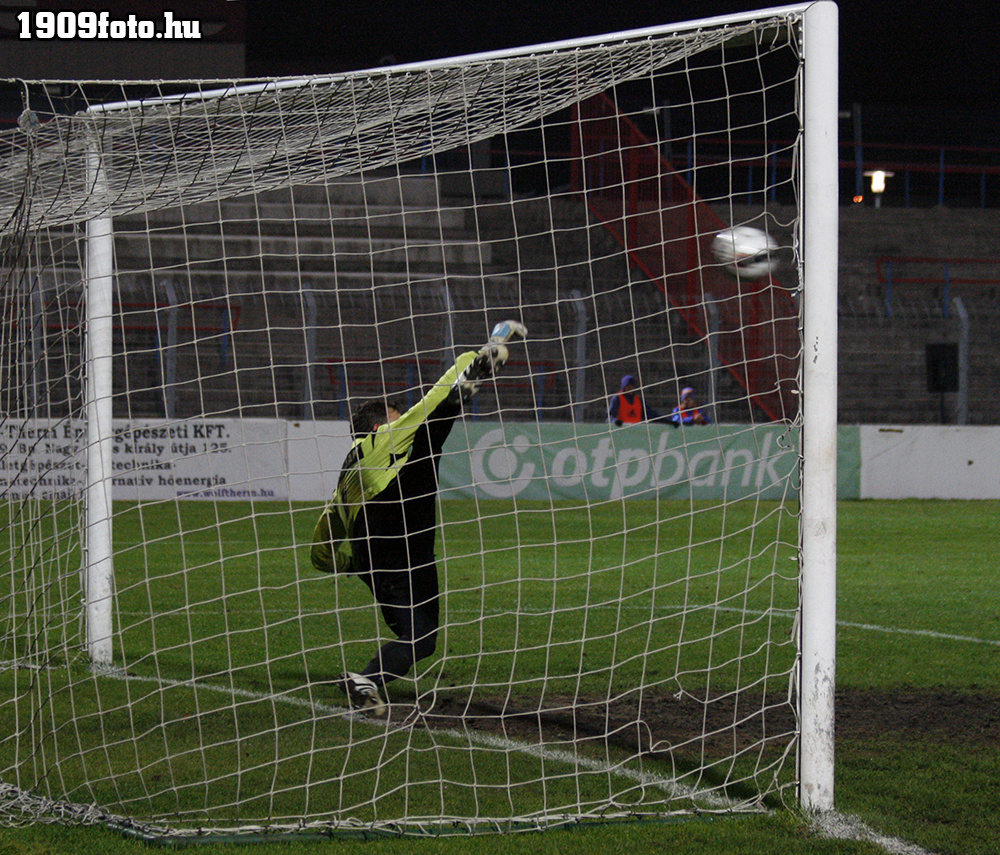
(381, 524)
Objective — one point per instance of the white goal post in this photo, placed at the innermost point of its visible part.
(819, 434)
(201, 280)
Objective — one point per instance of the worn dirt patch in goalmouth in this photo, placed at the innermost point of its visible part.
(661, 721)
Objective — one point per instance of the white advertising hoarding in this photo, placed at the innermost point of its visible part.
(270, 459)
(153, 459)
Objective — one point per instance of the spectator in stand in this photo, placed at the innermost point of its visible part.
(628, 408)
(687, 412)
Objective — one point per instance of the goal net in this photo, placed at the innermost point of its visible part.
(200, 283)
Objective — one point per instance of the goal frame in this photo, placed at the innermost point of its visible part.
(818, 271)
(818, 559)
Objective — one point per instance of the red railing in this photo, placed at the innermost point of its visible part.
(145, 316)
(942, 276)
(921, 270)
(667, 231)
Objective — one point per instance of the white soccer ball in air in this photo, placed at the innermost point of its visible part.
(746, 252)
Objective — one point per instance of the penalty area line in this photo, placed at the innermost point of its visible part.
(925, 633)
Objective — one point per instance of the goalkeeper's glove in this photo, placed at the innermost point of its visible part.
(491, 358)
(507, 331)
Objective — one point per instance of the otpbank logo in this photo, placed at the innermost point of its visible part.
(625, 462)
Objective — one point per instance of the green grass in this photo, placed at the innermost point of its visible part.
(919, 614)
(917, 603)
(929, 570)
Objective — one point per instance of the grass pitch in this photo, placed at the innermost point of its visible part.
(244, 666)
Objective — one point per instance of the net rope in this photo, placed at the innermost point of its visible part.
(229, 142)
(617, 632)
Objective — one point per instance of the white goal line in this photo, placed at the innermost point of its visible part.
(672, 788)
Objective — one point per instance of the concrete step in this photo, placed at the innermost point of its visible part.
(163, 250)
(250, 216)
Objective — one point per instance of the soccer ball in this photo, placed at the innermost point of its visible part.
(745, 252)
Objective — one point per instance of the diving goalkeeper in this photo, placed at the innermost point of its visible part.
(382, 522)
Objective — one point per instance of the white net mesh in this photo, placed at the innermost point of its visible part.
(615, 636)
(207, 145)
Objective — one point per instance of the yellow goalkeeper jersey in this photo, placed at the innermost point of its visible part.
(375, 459)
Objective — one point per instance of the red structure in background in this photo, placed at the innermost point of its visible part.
(667, 231)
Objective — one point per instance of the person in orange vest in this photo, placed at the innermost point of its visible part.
(687, 412)
(628, 408)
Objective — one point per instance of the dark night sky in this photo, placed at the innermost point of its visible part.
(910, 53)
